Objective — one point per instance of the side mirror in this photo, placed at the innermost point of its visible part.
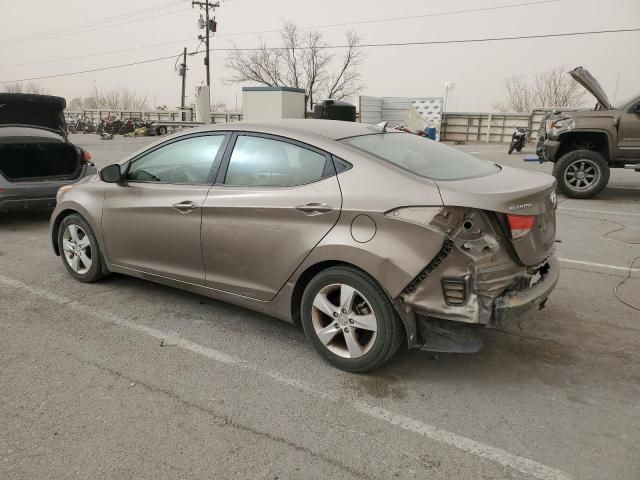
(111, 174)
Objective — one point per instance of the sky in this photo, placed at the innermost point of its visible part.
(35, 41)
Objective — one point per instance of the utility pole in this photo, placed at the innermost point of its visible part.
(210, 27)
(183, 73)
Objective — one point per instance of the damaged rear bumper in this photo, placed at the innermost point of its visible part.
(516, 302)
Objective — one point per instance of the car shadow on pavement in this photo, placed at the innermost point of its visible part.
(25, 219)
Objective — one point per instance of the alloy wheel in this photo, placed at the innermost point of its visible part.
(582, 174)
(344, 321)
(77, 249)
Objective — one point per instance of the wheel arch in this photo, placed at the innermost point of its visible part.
(569, 140)
(55, 227)
(407, 322)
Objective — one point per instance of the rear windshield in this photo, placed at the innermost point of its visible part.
(422, 156)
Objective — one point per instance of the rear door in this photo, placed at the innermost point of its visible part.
(151, 221)
(274, 200)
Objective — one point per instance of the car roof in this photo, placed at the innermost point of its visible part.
(330, 129)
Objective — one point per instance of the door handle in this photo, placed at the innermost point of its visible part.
(186, 206)
(314, 208)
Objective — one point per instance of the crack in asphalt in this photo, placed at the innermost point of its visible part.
(220, 419)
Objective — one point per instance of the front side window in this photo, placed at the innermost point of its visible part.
(258, 161)
(189, 161)
(422, 156)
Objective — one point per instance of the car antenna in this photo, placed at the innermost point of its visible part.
(382, 126)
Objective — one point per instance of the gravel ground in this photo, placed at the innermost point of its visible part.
(128, 379)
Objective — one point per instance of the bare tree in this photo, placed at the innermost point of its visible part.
(29, 87)
(346, 82)
(119, 98)
(218, 106)
(553, 88)
(302, 61)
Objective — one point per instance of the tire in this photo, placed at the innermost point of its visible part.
(512, 145)
(519, 147)
(85, 251)
(589, 163)
(162, 130)
(370, 307)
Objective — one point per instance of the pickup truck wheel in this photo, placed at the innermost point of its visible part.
(581, 173)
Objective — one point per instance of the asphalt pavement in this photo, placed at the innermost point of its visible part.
(128, 379)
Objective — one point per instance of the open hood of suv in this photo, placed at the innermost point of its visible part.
(37, 110)
(584, 78)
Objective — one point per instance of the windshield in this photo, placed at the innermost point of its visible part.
(422, 156)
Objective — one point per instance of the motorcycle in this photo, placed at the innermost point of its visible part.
(519, 139)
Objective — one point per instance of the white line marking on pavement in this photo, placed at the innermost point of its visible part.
(502, 457)
(599, 265)
(604, 212)
(521, 464)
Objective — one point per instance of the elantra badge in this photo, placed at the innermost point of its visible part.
(522, 206)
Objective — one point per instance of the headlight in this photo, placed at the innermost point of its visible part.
(561, 125)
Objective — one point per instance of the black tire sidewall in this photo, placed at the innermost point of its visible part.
(560, 167)
(95, 272)
(388, 323)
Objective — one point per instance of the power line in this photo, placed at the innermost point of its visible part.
(92, 29)
(389, 19)
(393, 19)
(94, 22)
(44, 36)
(370, 45)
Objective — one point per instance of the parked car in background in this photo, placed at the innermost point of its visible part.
(368, 237)
(585, 145)
(36, 157)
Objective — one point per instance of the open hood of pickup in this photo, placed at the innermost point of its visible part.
(584, 78)
(43, 111)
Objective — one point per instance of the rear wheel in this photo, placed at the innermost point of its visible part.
(79, 249)
(581, 173)
(350, 320)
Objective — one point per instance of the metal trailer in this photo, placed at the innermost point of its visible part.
(162, 127)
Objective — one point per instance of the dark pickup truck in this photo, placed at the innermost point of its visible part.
(585, 145)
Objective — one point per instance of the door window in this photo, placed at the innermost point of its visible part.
(187, 162)
(259, 161)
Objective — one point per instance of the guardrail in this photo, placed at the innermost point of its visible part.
(456, 126)
(149, 116)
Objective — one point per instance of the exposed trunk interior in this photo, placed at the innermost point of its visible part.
(39, 161)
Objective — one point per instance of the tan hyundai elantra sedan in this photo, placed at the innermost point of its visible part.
(370, 237)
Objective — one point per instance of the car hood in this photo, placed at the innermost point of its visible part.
(584, 78)
(44, 111)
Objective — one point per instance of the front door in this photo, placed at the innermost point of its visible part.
(629, 132)
(273, 202)
(151, 221)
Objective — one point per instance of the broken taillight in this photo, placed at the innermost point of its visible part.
(520, 225)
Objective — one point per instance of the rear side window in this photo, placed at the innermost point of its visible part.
(422, 156)
(258, 161)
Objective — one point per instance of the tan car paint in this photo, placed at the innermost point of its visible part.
(253, 264)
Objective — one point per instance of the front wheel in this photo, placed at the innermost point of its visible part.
(581, 173)
(512, 146)
(350, 320)
(79, 249)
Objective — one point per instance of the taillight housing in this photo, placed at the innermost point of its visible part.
(520, 225)
(86, 156)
